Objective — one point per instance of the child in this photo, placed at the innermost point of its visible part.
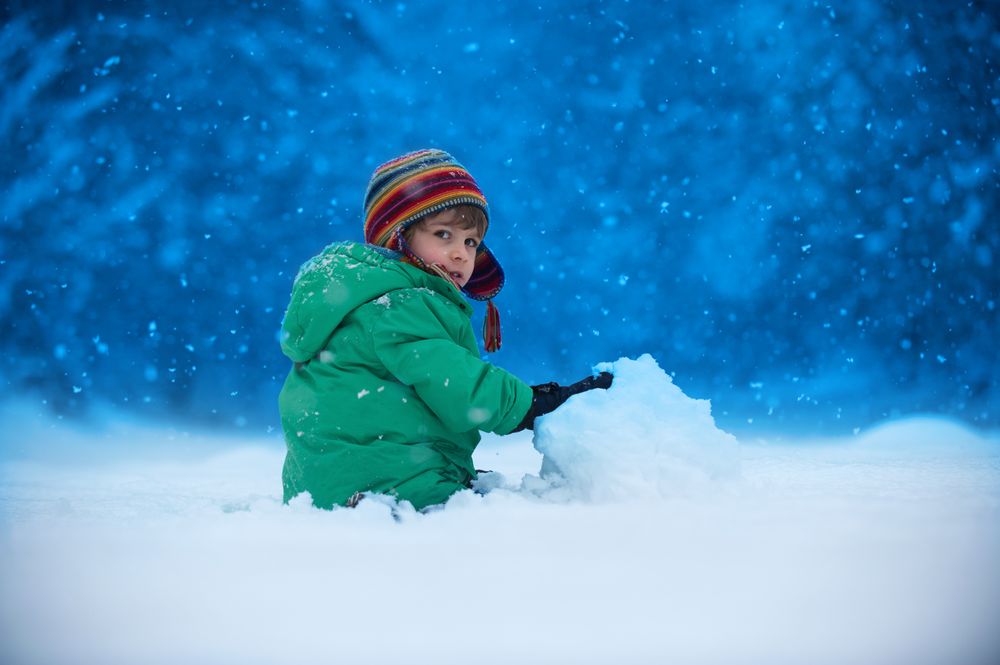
(388, 393)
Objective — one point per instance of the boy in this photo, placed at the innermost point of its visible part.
(387, 393)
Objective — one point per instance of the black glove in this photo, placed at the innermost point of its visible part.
(547, 397)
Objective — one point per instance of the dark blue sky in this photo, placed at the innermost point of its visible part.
(791, 206)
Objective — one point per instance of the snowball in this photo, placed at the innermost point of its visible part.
(641, 438)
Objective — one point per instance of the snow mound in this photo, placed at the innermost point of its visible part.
(137, 543)
(642, 438)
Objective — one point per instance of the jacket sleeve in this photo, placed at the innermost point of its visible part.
(411, 338)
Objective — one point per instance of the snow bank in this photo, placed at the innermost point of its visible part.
(640, 439)
(176, 548)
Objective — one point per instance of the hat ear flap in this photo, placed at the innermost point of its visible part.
(491, 328)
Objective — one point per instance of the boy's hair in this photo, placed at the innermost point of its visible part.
(467, 217)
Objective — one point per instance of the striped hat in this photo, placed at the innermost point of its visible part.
(406, 189)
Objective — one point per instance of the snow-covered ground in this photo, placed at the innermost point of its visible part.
(131, 544)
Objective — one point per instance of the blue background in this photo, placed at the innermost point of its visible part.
(792, 206)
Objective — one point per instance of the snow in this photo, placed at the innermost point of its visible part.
(125, 542)
(698, 216)
(641, 438)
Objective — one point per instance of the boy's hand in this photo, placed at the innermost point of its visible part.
(547, 397)
(602, 381)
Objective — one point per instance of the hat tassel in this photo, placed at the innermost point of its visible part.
(491, 328)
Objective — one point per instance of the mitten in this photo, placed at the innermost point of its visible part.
(547, 397)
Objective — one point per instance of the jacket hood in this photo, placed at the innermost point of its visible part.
(341, 278)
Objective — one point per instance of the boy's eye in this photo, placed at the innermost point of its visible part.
(444, 235)
(471, 242)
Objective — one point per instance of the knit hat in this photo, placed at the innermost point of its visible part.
(406, 189)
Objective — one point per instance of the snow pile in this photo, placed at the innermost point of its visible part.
(640, 439)
(128, 543)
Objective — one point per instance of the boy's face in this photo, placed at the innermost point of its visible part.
(440, 240)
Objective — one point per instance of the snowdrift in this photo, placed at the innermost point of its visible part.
(646, 535)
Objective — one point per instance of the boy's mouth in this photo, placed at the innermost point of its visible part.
(453, 274)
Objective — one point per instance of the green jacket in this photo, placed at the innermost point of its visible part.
(388, 393)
